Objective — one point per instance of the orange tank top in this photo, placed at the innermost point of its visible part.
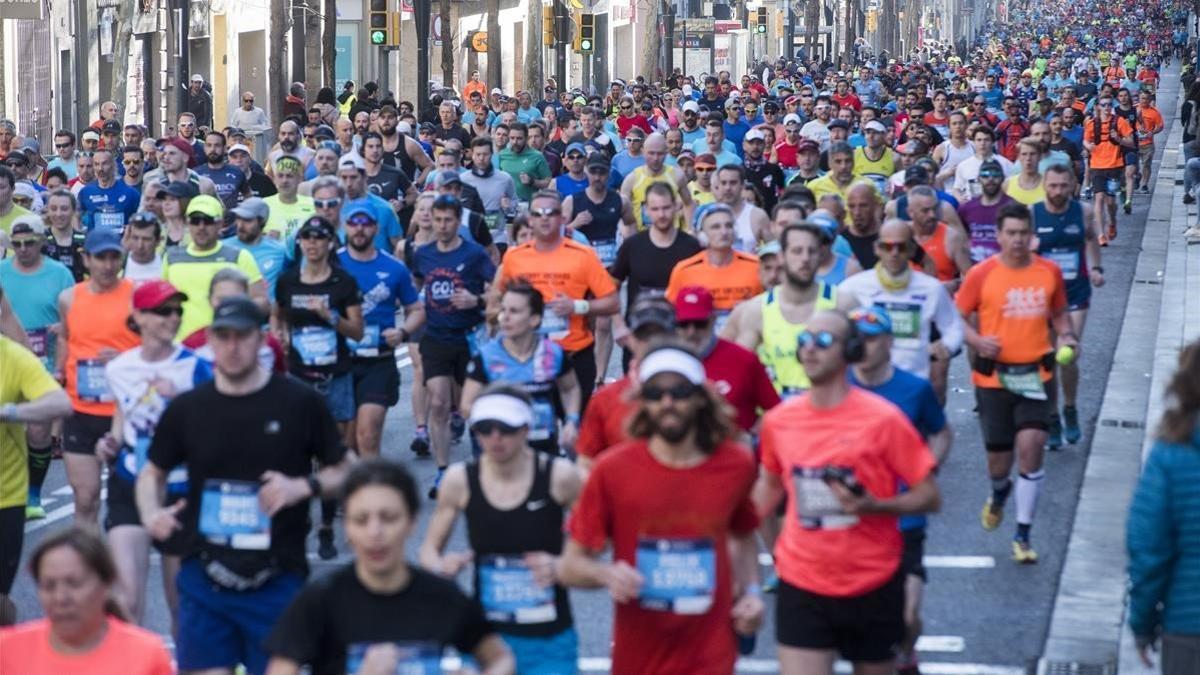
(935, 247)
(96, 322)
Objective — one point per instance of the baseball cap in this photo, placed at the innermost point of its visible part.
(30, 145)
(598, 159)
(197, 77)
(754, 135)
(361, 214)
(90, 134)
(875, 125)
(686, 154)
(497, 91)
(319, 224)
(635, 132)
(325, 132)
(448, 177)
(916, 174)
(16, 158)
(154, 292)
(838, 124)
(239, 147)
(102, 239)
(252, 208)
(992, 167)
(206, 205)
(791, 117)
(652, 311)
(769, 248)
(351, 161)
(111, 127)
(871, 321)
(238, 313)
(693, 303)
(575, 147)
(707, 159)
(180, 189)
(807, 145)
(691, 106)
(179, 144)
(29, 223)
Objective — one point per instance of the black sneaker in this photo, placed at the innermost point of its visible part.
(325, 548)
(458, 426)
(420, 444)
(1188, 198)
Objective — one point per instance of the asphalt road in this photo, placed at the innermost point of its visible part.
(983, 613)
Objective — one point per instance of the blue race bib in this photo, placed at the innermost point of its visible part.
(368, 346)
(509, 593)
(680, 574)
(90, 382)
(230, 515)
(416, 658)
(316, 345)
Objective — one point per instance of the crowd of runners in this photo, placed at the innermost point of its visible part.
(654, 330)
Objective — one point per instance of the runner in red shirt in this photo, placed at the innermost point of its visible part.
(603, 424)
(735, 371)
(674, 504)
(838, 453)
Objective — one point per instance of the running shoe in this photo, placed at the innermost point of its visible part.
(1128, 210)
(458, 426)
(1103, 239)
(1023, 553)
(420, 442)
(991, 516)
(1071, 431)
(35, 512)
(1054, 440)
(1112, 231)
(1144, 190)
(1087, 194)
(325, 548)
(1189, 198)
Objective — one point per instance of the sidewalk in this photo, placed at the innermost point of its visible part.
(1087, 628)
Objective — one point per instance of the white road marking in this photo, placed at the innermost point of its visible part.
(941, 643)
(938, 561)
(64, 511)
(744, 665)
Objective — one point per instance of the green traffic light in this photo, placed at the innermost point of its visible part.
(585, 45)
(378, 37)
(762, 28)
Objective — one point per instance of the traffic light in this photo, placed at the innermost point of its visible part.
(585, 39)
(378, 22)
(548, 26)
(761, 22)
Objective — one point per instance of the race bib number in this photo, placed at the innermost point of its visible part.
(607, 250)
(906, 319)
(817, 507)
(90, 383)
(509, 593)
(1025, 381)
(1067, 261)
(680, 574)
(368, 346)
(554, 326)
(110, 220)
(316, 345)
(230, 515)
(416, 658)
(544, 421)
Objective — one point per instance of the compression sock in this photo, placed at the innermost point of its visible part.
(1028, 486)
(39, 465)
(1001, 487)
(328, 512)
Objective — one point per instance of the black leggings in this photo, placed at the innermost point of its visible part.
(12, 536)
(583, 362)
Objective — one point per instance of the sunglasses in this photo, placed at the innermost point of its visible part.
(486, 427)
(693, 325)
(327, 203)
(313, 234)
(544, 212)
(131, 162)
(822, 340)
(63, 146)
(576, 155)
(626, 107)
(202, 221)
(247, 100)
(360, 222)
(597, 171)
(25, 243)
(991, 174)
(678, 392)
(705, 169)
(310, 136)
(170, 310)
(892, 246)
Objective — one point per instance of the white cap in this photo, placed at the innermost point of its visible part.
(404, 128)
(791, 117)
(197, 77)
(875, 125)
(351, 160)
(239, 147)
(666, 360)
(691, 105)
(754, 135)
(497, 91)
(503, 408)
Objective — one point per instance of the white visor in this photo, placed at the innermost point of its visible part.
(502, 408)
(671, 361)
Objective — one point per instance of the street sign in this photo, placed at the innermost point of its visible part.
(22, 9)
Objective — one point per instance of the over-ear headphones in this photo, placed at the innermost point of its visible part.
(853, 350)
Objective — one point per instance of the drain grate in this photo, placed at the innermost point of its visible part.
(1075, 668)
(1153, 282)
(1124, 424)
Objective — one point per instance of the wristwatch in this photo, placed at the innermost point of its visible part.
(1098, 268)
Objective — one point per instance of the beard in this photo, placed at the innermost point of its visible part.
(287, 145)
(798, 281)
(214, 158)
(672, 427)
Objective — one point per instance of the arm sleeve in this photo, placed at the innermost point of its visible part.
(1149, 544)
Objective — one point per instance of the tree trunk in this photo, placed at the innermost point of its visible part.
(329, 45)
(851, 16)
(120, 70)
(650, 54)
(494, 78)
(276, 77)
(532, 75)
(448, 42)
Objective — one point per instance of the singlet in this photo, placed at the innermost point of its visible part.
(935, 247)
(1027, 196)
(399, 158)
(538, 376)
(779, 336)
(956, 155)
(637, 194)
(601, 233)
(70, 254)
(1062, 240)
(96, 321)
(837, 273)
(743, 230)
(980, 220)
(878, 170)
(499, 539)
(863, 247)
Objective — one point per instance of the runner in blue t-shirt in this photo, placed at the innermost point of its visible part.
(231, 183)
(107, 202)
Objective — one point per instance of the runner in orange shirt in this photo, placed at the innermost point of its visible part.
(730, 275)
(1106, 138)
(1014, 297)
(838, 453)
(565, 271)
(1149, 124)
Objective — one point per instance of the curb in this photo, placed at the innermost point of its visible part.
(1087, 632)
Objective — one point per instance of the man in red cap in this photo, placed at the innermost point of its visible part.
(735, 371)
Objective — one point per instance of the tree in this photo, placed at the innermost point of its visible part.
(447, 44)
(493, 45)
(329, 44)
(532, 74)
(649, 66)
(851, 23)
(120, 71)
(276, 77)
